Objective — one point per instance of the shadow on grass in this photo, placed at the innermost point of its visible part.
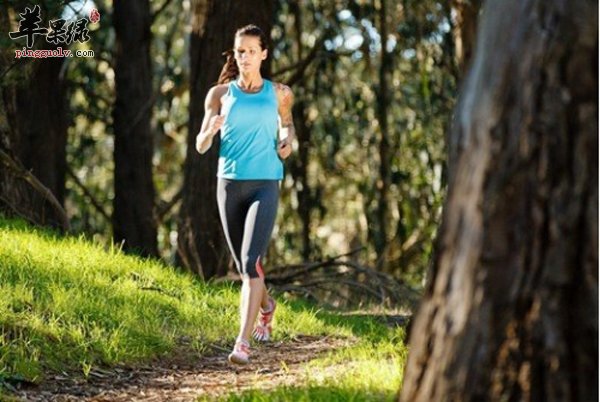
(374, 327)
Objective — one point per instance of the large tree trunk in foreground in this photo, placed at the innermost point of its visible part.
(133, 218)
(511, 311)
(201, 244)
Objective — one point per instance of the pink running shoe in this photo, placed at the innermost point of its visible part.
(241, 353)
(262, 331)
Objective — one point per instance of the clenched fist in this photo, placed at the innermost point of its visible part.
(284, 148)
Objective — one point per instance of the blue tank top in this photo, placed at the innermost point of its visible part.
(248, 148)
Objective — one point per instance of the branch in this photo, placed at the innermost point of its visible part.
(292, 67)
(305, 268)
(308, 59)
(302, 65)
(298, 289)
(19, 171)
(160, 10)
(88, 194)
(165, 207)
(299, 74)
(334, 276)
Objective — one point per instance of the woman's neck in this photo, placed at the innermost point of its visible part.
(250, 82)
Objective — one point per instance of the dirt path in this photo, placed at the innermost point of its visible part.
(185, 379)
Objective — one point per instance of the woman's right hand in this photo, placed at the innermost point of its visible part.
(215, 123)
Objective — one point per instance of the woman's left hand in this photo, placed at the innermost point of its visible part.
(284, 149)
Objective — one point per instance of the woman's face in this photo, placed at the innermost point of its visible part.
(248, 53)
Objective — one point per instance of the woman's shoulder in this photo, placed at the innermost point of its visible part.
(280, 87)
(215, 93)
(284, 92)
(218, 90)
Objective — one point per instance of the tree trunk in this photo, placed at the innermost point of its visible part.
(299, 169)
(384, 181)
(34, 132)
(511, 309)
(464, 29)
(201, 244)
(300, 173)
(466, 14)
(133, 217)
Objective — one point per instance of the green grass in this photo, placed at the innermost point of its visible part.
(69, 305)
(370, 370)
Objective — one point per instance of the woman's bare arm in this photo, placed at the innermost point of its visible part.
(287, 132)
(212, 121)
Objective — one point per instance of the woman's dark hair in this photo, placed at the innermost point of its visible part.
(230, 69)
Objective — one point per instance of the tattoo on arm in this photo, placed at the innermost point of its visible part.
(286, 100)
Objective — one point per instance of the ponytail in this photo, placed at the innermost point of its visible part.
(230, 69)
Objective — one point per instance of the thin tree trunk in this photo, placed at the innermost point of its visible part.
(300, 173)
(464, 29)
(384, 181)
(201, 245)
(303, 135)
(511, 310)
(133, 217)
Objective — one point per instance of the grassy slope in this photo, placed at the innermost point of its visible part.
(68, 305)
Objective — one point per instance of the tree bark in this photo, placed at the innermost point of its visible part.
(299, 169)
(465, 17)
(384, 180)
(511, 309)
(133, 217)
(33, 131)
(466, 14)
(201, 245)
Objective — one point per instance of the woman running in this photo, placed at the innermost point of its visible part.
(254, 116)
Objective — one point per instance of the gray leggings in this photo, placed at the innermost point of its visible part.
(248, 209)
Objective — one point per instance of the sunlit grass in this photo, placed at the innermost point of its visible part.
(365, 372)
(370, 370)
(69, 305)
